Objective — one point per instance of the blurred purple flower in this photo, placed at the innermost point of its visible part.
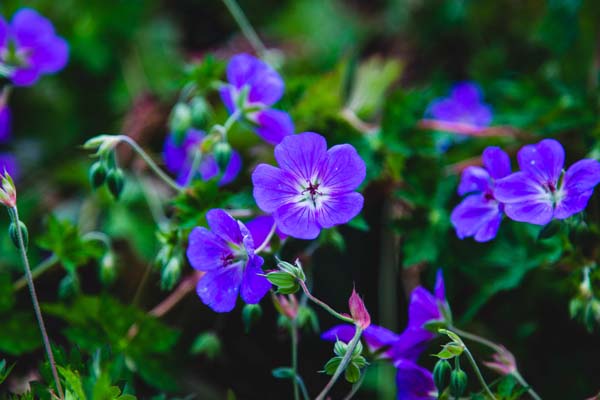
(5, 122)
(480, 214)
(414, 382)
(375, 337)
(179, 160)
(464, 105)
(425, 307)
(226, 253)
(253, 88)
(261, 226)
(9, 163)
(541, 190)
(30, 48)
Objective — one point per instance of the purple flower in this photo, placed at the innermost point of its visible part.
(314, 188)
(464, 105)
(542, 190)
(180, 159)
(425, 307)
(414, 382)
(261, 227)
(9, 163)
(375, 337)
(480, 214)
(5, 122)
(226, 253)
(30, 48)
(253, 88)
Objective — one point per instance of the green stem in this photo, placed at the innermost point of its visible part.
(37, 271)
(478, 373)
(265, 243)
(245, 26)
(14, 214)
(343, 364)
(229, 122)
(294, 333)
(355, 387)
(324, 305)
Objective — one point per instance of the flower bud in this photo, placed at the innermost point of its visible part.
(286, 283)
(108, 270)
(8, 192)
(251, 314)
(115, 180)
(97, 174)
(441, 372)
(180, 121)
(207, 344)
(222, 154)
(200, 111)
(171, 273)
(14, 234)
(458, 382)
(358, 311)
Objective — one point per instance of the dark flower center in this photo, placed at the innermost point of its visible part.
(227, 259)
(488, 196)
(312, 190)
(551, 187)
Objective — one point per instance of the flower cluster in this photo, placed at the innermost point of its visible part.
(463, 106)
(540, 192)
(404, 350)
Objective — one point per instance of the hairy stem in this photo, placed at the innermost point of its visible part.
(343, 364)
(14, 214)
(35, 272)
(355, 387)
(245, 26)
(294, 334)
(478, 373)
(324, 305)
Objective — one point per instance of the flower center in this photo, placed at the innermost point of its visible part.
(311, 192)
(227, 259)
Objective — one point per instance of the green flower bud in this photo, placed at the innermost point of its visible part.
(251, 314)
(171, 273)
(200, 112)
(108, 268)
(115, 180)
(222, 154)
(180, 121)
(458, 382)
(97, 174)
(207, 344)
(14, 234)
(286, 283)
(441, 372)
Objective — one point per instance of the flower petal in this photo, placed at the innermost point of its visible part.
(303, 154)
(219, 289)
(543, 161)
(410, 344)
(582, 176)
(338, 209)
(274, 187)
(474, 179)
(343, 332)
(345, 170)
(5, 123)
(10, 163)
(297, 220)
(206, 251)
(489, 229)
(51, 56)
(519, 187)
(496, 161)
(224, 226)
(422, 308)
(260, 227)
(440, 288)
(177, 157)
(472, 213)
(241, 69)
(572, 204)
(467, 94)
(273, 125)
(210, 169)
(414, 382)
(4, 31)
(265, 84)
(25, 76)
(227, 93)
(538, 212)
(31, 28)
(254, 284)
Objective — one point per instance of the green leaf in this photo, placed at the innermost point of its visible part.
(208, 344)
(283, 373)
(352, 373)
(20, 333)
(73, 385)
(332, 365)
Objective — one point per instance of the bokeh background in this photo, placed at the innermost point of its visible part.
(537, 62)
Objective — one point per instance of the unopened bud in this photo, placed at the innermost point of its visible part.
(14, 229)
(251, 314)
(286, 283)
(8, 192)
(115, 180)
(207, 344)
(108, 270)
(358, 311)
(97, 174)
(180, 121)
(170, 273)
(458, 382)
(200, 111)
(222, 154)
(441, 373)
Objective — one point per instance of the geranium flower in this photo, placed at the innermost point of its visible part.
(5, 122)
(414, 382)
(180, 159)
(226, 254)
(425, 307)
(9, 163)
(542, 190)
(464, 105)
(313, 188)
(30, 48)
(375, 337)
(253, 88)
(480, 214)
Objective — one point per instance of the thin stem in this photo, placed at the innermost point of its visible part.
(355, 387)
(478, 373)
(467, 129)
(229, 122)
(294, 334)
(477, 338)
(324, 305)
(35, 272)
(184, 287)
(14, 213)
(157, 170)
(343, 364)
(194, 168)
(526, 385)
(267, 240)
(244, 24)
(303, 389)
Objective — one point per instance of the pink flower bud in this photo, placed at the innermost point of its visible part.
(359, 312)
(8, 193)
(502, 362)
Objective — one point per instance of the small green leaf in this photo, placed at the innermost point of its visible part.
(332, 365)
(207, 344)
(352, 373)
(283, 373)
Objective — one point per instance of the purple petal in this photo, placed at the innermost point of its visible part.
(254, 284)
(273, 125)
(30, 28)
(440, 287)
(489, 229)
(240, 69)
(538, 212)
(344, 171)
(5, 123)
(474, 179)
(422, 308)
(266, 86)
(219, 289)
(297, 220)
(496, 161)
(519, 187)
(4, 32)
(177, 157)
(410, 344)
(227, 93)
(260, 227)
(445, 110)
(224, 226)
(572, 203)
(582, 176)
(414, 382)
(210, 169)
(206, 251)
(338, 209)
(344, 332)
(374, 336)
(303, 154)
(274, 187)
(9, 163)
(25, 76)
(52, 56)
(472, 214)
(543, 161)
(480, 116)
(467, 94)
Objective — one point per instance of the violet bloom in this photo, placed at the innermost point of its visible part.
(9, 163)
(226, 253)
(180, 159)
(542, 190)
(464, 105)
(253, 88)
(375, 337)
(30, 48)
(426, 307)
(261, 227)
(414, 382)
(480, 214)
(5, 122)
(314, 188)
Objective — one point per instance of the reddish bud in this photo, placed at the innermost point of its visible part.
(359, 312)
(502, 362)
